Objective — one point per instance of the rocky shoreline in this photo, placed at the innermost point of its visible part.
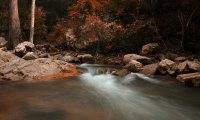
(30, 62)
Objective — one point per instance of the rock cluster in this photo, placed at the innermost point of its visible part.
(25, 65)
(186, 71)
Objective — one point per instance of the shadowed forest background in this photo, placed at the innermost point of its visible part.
(110, 25)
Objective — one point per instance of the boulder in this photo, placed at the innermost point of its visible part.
(166, 66)
(142, 59)
(182, 68)
(150, 69)
(22, 48)
(86, 58)
(3, 42)
(13, 68)
(30, 56)
(122, 72)
(71, 59)
(149, 48)
(191, 79)
(134, 66)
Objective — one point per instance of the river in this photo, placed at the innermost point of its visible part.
(93, 96)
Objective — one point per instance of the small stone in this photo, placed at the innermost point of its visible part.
(3, 42)
(86, 58)
(149, 48)
(180, 59)
(30, 56)
(71, 59)
(142, 59)
(165, 66)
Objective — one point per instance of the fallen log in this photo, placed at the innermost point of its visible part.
(191, 79)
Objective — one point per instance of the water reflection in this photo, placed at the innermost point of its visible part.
(99, 97)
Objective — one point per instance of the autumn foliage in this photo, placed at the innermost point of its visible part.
(112, 25)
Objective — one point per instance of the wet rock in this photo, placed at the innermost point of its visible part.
(142, 59)
(150, 48)
(30, 56)
(166, 66)
(14, 68)
(134, 66)
(71, 59)
(182, 68)
(86, 58)
(3, 42)
(22, 48)
(122, 72)
(191, 79)
(150, 69)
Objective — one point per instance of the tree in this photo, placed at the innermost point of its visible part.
(32, 21)
(14, 24)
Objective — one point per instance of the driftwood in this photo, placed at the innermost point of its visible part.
(190, 79)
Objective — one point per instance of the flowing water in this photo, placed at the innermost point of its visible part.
(94, 96)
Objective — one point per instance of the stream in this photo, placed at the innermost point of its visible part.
(95, 96)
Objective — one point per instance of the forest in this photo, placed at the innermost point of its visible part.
(113, 23)
(99, 59)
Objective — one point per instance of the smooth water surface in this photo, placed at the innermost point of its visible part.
(93, 96)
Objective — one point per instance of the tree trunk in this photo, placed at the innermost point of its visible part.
(14, 25)
(32, 21)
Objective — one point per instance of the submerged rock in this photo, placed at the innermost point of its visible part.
(149, 48)
(142, 59)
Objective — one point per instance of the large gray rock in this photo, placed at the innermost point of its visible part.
(166, 66)
(142, 59)
(22, 48)
(134, 66)
(86, 58)
(149, 48)
(150, 69)
(14, 68)
(3, 42)
(30, 56)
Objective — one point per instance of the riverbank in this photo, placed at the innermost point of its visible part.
(45, 62)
